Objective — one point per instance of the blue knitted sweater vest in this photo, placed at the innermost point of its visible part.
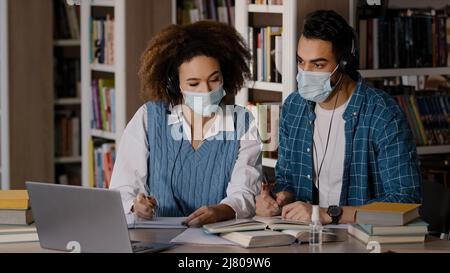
(183, 179)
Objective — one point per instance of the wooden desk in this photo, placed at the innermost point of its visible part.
(351, 245)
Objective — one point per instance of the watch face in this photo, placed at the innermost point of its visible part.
(334, 211)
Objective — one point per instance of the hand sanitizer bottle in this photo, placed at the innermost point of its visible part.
(315, 228)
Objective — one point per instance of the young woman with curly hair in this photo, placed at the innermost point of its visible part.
(185, 153)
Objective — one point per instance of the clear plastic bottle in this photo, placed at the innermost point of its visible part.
(315, 228)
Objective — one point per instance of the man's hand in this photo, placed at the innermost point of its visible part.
(266, 205)
(300, 211)
(284, 198)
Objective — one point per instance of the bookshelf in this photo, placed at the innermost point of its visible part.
(135, 23)
(401, 72)
(284, 15)
(67, 95)
(190, 11)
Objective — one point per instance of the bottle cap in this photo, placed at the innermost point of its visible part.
(315, 217)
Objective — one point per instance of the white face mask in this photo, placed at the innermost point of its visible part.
(204, 104)
(314, 86)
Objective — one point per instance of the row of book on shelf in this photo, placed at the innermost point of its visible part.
(266, 2)
(66, 20)
(68, 174)
(425, 103)
(191, 11)
(67, 134)
(102, 156)
(381, 222)
(427, 113)
(266, 49)
(102, 40)
(402, 38)
(103, 105)
(67, 73)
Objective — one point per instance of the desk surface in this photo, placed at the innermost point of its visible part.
(351, 245)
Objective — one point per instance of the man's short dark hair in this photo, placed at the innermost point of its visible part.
(329, 26)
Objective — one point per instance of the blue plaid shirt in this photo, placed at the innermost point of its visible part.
(380, 156)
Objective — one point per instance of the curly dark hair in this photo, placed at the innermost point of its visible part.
(177, 44)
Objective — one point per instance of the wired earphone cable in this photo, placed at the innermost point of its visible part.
(319, 171)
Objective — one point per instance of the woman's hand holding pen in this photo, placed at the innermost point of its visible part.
(144, 206)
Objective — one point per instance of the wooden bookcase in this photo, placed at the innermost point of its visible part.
(135, 23)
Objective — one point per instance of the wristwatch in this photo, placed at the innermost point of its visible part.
(335, 213)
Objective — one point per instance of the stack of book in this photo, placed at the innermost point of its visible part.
(389, 223)
(14, 208)
(16, 218)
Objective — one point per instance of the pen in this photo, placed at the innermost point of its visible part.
(149, 196)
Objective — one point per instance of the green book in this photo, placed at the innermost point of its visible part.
(417, 227)
(102, 85)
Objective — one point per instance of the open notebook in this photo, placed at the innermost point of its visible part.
(256, 223)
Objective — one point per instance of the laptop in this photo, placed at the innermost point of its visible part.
(91, 219)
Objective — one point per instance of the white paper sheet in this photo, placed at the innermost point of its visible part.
(198, 236)
(158, 222)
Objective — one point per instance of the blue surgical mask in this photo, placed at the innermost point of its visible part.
(314, 86)
(204, 104)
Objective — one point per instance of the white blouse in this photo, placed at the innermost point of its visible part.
(131, 169)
